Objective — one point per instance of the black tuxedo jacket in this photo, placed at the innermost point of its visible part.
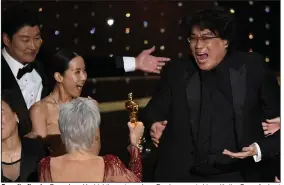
(9, 82)
(256, 96)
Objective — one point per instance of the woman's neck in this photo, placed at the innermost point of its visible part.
(81, 155)
(60, 96)
(12, 143)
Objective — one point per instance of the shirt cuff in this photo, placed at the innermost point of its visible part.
(257, 157)
(129, 64)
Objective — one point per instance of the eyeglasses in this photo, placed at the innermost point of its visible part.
(204, 39)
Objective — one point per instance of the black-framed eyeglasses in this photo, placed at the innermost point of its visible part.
(205, 39)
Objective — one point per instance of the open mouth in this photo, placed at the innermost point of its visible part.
(201, 57)
(80, 87)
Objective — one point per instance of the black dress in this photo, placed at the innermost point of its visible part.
(33, 150)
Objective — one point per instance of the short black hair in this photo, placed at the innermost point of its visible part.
(16, 17)
(217, 19)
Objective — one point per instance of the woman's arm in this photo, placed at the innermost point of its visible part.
(38, 118)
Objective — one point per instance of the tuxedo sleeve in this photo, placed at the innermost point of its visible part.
(98, 66)
(270, 101)
(269, 93)
(270, 146)
(159, 105)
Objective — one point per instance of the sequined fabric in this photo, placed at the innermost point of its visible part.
(44, 170)
(115, 170)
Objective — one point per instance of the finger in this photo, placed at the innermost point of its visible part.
(164, 123)
(139, 124)
(264, 124)
(156, 71)
(155, 140)
(129, 125)
(273, 120)
(163, 59)
(267, 133)
(161, 64)
(155, 145)
(227, 152)
(149, 51)
(265, 128)
(155, 126)
(155, 137)
(276, 179)
(159, 68)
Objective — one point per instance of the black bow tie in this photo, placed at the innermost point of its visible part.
(27, 69)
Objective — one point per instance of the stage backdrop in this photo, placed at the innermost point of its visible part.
(125, 28)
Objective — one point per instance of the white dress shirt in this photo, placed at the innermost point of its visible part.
(257, 157)
(129, 64)
(30, 84)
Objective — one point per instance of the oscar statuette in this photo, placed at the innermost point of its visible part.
(133, 108)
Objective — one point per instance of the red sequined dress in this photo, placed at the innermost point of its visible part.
(115, 170)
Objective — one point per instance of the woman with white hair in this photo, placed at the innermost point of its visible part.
(79, 122)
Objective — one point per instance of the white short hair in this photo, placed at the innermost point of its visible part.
(78, 121)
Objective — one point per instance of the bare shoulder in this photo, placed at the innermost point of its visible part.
(99, 161)
(41, 106)
(38, 107)
(57, 162)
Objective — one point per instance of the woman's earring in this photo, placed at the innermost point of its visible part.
(17, 120)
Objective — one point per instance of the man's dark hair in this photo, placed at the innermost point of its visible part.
(217, 19)
(16, 18)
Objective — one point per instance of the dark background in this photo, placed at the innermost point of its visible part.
(75, 19)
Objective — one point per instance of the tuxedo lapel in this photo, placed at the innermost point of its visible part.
(238, 84)
(9, 83)
(193, 98)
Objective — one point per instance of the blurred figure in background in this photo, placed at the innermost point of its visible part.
(20, 157)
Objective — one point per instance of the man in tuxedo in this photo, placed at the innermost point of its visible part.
(213, 101)
(22, 73)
